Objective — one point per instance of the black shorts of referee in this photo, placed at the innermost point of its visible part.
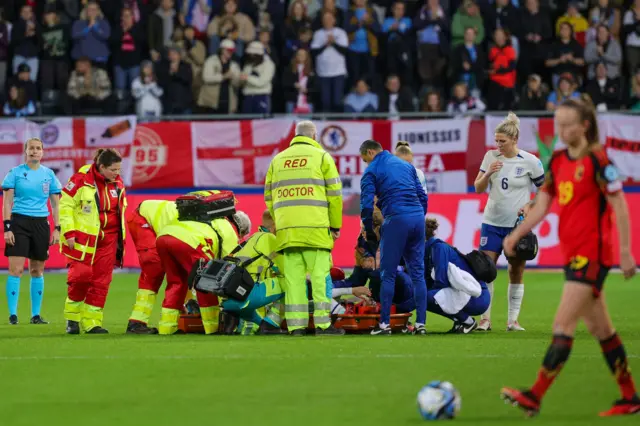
(32, 237)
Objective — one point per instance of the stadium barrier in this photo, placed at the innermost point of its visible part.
(175, 154)
(460, 217)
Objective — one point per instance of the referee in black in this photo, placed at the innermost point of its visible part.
(27, 232)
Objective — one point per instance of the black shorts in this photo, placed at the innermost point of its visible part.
(32, 235)
(584, 271)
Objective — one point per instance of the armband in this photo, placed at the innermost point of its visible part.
(7, 225)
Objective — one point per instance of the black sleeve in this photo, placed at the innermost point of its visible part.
(341, 50)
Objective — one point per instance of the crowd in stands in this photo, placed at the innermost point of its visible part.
(155, 57)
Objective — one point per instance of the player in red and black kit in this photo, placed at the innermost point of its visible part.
(589, 193)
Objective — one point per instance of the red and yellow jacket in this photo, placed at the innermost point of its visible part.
(85, 210)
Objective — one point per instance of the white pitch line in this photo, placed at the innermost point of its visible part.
(279, 357)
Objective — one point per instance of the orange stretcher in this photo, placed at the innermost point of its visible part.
(191, 323)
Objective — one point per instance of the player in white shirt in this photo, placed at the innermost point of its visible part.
(510, 172)
(403, 150)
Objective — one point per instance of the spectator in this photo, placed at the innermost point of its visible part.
(363, 30)
(633, 102)
(67, 10)
(91, 35)
(23, 81)
(311, 7)
(233, 25)
(566, 90)
(328, 6)
(221, 76)
(631, 35)
(195, 14)
(604, 90)
(533, 96)
(296, 20)
(17, 104)
(467, 16)
(175, 77)
(25, 38)
(56, 44)
(127, 51)
(298, 81)
(399, 43)
(396, 98)
(303, 41)
(432, 102)
(463, 102)
(264, 37)
(139, 9)
(361, 99)
(603, 49)
(604, 14)
(433, 44)
(566, 55)
(162, 24)
(502, 15)
(536, 36)
(502, 72)
(4, 50)
(468, 63)
(89, 90)
(256, 79)
(147, 92)
(579, 24)
(329, 46)
(194, 54)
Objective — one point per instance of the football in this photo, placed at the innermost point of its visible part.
(438, 401)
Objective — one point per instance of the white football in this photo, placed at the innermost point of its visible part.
(438, 400)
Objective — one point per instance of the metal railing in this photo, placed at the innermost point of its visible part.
(327, 116)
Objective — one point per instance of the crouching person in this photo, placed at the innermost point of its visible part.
(265, 268)
(454, 289)
(198, 234)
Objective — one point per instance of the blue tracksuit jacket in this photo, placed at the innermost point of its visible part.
(395, 183)
(403, 203)
(438, 254)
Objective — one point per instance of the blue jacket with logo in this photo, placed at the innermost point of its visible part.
(438, 254)
(396, 184)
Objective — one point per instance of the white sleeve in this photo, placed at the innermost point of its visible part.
(341, 38)
(537, 171)
(319, 39)
(337, 292)
(486, 162)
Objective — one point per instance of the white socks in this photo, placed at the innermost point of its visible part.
(468, 321)
(514, 294)
(487, 314)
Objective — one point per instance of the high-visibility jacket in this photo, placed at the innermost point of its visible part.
(160, 213)
(203, 238)
(80, 215)
(263, 244)
(303, 192)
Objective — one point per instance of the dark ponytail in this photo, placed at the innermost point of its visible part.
(106, 157)
(430, 226)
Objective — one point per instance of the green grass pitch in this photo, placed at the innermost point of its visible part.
(49, 378)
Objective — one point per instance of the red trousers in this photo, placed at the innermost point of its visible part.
(144, 238)
(90, 283)
(177, 260)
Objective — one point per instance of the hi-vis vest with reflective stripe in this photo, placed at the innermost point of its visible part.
(263, 243)
(80, 215)
(303, 192)
(202, 237)
(160, 213)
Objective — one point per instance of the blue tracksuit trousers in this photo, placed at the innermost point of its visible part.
(476, 306)
(402, 236)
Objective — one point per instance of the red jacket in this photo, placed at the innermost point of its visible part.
(503, 63)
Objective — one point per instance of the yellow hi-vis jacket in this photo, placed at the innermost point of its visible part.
(80, 216)
(269, 264)
(160, 213)
(202, 237)
(303, 192)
